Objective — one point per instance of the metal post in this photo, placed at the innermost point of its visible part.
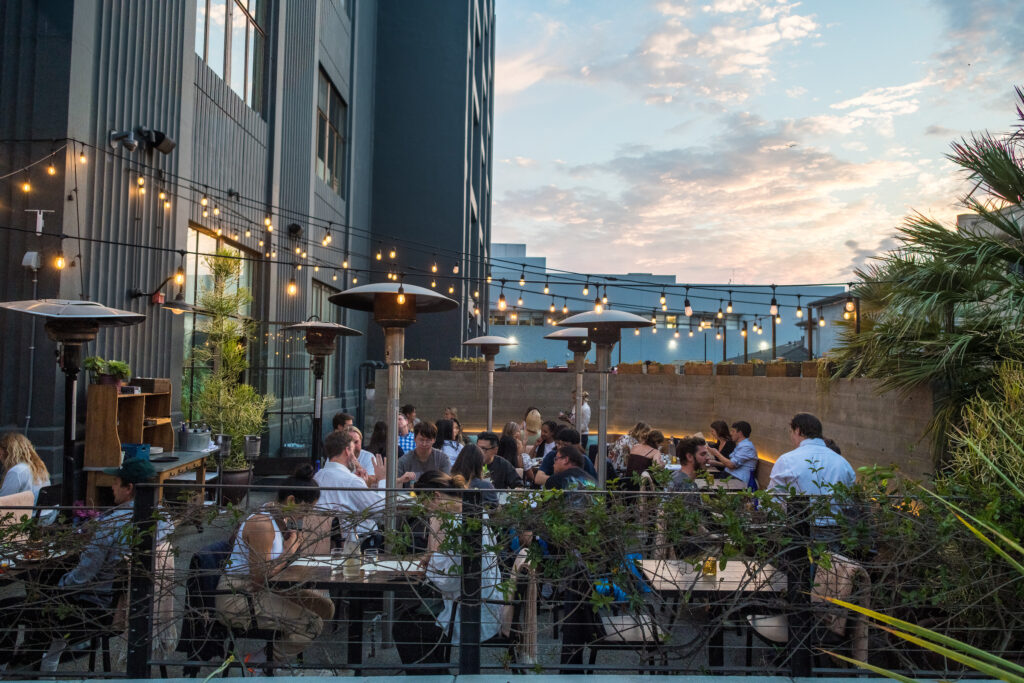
(394, 350)
(318, 408)
(724, 337)
(775, 353)
(140, 603)
(810, 333)
(469, 609)
(604, 354)
(489, 359)
(856, 314)
(580, 361)
(798, 586)
(745, 337)
(71, 363)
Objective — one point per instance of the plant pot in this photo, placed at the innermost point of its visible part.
(465, 366)
(809, 368)
(109, 380)
(630, 369)
(669, 370)
(725, 369)
(518, 366)
(744, 370)
(783, 370)
(760, 369)
(235, 484)
(704, 369)
(417, 365)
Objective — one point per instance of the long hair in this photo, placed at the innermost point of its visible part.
(17, 450)
(640, 431)
(508, 448)
(510, 429)
(470, 463)
(432, 480)
(301, 485)
(445, 432)
(379, 439)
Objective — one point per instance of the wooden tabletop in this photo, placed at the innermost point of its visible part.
(320, 573)
(679, 576)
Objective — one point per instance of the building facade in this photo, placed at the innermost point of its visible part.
(175, 129)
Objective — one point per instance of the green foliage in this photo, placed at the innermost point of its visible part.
(946, 307)
(222, 399)
(97, 366)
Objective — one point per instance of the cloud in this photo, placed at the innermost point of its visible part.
(521, 162)
(795, 92)
(879, 107)
(940, 131)
(780, 208)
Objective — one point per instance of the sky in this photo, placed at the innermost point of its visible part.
(744, 141)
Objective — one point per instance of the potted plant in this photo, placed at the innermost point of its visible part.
(630, 368)
(222, 400)
(102, 371)
(588, 366)
(759, 367)
(416, 364)
(696, 367)
(780, 367)
(457, 363)
(744, 369)
(726, 367)
(526, 366)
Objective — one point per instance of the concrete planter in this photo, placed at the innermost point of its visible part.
(704, 369)
(466, 366)
(744, 370)
(669, 369)
(417, 365)
(630, 369)
(535, 366)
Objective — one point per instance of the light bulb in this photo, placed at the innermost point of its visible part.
(81, 158)
(676, 334)
(821, 321)
(206, 213)
(433, 284)
(636, 331)
(51, 169)
(654, 319)
(179, 277)
(391, 254)
(298, 266)
(546, 288)
(691, 333)
(488, 278)
(514, 316)
(167, 204)
(59, 261)
(687, 308)
(220, 232)
(267, 222)
(664, 307)
(799, 312)
(718, 335)
(401, 295)
(728, 307)
(662, 300)
(519, 302)
(379, 255)
(355, 279)
(846, 315)
(344, 264)
(654, 330)
(774, 308)
(743, 333)
(141, 181)
(522, 281)
(327, 237)
(162, 195)
(565, 308)
(293, 288)
(433, 268)
(502, 304)
(204, 201)
(719, 315)
(316, 269)
(455, 269)
(604, 299)
(335, 277)
(26, 186)
(552, 307)
(598, 306)
(216, 210)
(778, 320)
(451, 289)
(476, 293)
(298, 250)
(248, 232)
(586, 290)
(849, 304)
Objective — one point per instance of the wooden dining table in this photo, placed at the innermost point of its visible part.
(322, 572)
(744, 579)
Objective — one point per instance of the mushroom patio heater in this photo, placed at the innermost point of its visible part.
(489, 346)
(579, 344)
(321, 340)
(71, 324)
(603, 330)
(394, 308)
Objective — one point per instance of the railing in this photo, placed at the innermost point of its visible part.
(709, 581)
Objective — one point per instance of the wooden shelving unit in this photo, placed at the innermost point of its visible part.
(113, 419)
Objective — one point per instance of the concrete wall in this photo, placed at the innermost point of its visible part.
(870, 428)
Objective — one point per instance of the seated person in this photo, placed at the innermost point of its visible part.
(427, 631)
(692, 453)
(470, 466)
(643, 455)
(565, 437)
(264, 545)
(503, 475)
(424, 457)
(23, 470)
(90, 585)
(743, 460)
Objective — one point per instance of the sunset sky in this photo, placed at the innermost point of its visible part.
(750, 141)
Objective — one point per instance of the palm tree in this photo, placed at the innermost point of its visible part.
(947, 306)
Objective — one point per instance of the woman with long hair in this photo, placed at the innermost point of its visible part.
(457, 429)
(379, 439)
(445, 440)
(514, 431)
(23, 468)
(266, 542)
(470, 466)
(428, 633)
(620, 451)
(643, 455)
(720, 438)
(508, 448)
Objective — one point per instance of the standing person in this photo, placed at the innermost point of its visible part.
(812, 468)
(501, 472)
(358, 507)
(692, 453)
(424, 457)
(743, 460)
(470, 466)
(445, 441)
(450, 413)
(379, 439)
(266, 543)
(23, 468)
(581, 425)
(406, 441)
(409, 410)
(342, 421)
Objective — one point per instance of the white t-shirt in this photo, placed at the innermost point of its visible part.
(357, 508)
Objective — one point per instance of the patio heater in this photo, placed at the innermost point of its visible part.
(579, 344)
(72, 324)
(603, 329)
(321, 340)
(394, 307)
(489, 346)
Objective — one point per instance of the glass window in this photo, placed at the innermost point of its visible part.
(329, 313)
(215, 35)
(332, 115)
(238, 44)
(201, 28)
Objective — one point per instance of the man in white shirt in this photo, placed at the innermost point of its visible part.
(812, 468)
(581, 425)
(356, 508)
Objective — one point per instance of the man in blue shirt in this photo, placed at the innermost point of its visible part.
(742, 462)
(406, 440)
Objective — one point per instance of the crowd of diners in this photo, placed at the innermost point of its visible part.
(440, 463)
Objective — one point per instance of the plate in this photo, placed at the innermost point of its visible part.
(43, 556)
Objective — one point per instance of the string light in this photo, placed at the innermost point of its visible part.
(849, 304)
(598, 306)
(586, 288)
(401, 295)
(728, 306)
(355, 279)
(206, 213)
(687, 308)
(344, 263)
(654, 318)
(379, 255)
(691, 332)
(50, 168)
(502, 304)
(433, 268)
(293, 288)
(636, 331)
(142, 191)
(676, 334)
(522, 277)
(268, 223)
(451, 289)
(391, 254)
(298, 266)
(546, 288)
(327, 236)
(520, 300)
(334, 276)
(663, 299)
(846, 315)
(774, 309)
(216, 210)
(167, 204)
(204, 201)
(26, 185)
(455, 269)
(565, 307)
(551, 308)
(778, 318)
(179, 277)
(604, 299)
(141, 181)
(59, 261)
(743, 332)
(799, 308)
(248, 232)
(718, 334)
(821, 321)
(433, 284)
(81, 156)
(476, 293)
(719, 315)
(514, 316)
(488, 276)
